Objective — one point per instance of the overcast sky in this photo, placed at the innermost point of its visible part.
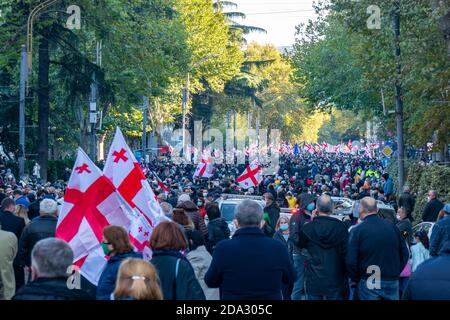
(278, 17)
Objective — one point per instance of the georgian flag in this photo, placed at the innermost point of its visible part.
(91, 203)
(127, 177)
(252, 176)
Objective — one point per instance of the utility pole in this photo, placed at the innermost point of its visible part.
(144, 128)
(93, 107)
(399, 99)
(185, 104)
(93, 117)
(23, 83)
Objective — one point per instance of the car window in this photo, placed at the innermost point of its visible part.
(227, 211)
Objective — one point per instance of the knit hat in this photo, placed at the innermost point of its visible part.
(447, 208)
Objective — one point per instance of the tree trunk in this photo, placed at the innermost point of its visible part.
(43, 105)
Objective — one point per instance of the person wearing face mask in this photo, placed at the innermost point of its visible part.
(282, 235)
(325, 241)
(250, 266)
(201, 207)
(116, 244)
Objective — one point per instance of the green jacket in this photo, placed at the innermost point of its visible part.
(8, 251)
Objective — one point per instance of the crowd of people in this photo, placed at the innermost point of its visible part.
(271, 256)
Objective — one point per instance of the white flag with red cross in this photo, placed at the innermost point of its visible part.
(125, 173)
(90, 204)
(252, 176)
(204, 170)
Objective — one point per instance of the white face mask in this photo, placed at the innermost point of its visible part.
(398, 217)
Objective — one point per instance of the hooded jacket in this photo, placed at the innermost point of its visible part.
(218, 230)
(192, 210)
(325, 240)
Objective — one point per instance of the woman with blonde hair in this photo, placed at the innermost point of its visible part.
(137, 280)
(22, 212)
(282, 235)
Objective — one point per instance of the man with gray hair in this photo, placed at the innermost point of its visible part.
(50, 262)
(39, 228)
(167, 209)
(376, 255)
(432, 208)
(250, 266)
(325, 240)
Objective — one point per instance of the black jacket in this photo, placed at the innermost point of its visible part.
(183, 287)
(274, 214)
(10, 222)
(405, 228)
(295, 227)
(431, 210)
(218, 230)
(325, 240)
(33, 210)
(39, 228)
(250, 266)
(376, 242)
(289, 246)
(50, 289)
(406, 201)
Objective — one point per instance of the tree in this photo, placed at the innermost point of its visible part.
(342, 63)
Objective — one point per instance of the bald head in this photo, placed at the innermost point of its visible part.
(367, 206)
(324, 204)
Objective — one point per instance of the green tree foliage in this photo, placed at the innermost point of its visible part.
(214, 57)
(421, 179)
(342, 63)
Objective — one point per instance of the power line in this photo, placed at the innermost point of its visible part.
(277, 12)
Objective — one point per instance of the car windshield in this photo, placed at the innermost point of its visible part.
(227, 211)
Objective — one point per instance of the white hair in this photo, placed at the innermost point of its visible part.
(48, 207)
(183, 198)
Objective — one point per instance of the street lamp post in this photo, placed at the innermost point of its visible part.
(399, 99)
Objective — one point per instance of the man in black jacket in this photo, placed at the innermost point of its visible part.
(8, 220)
(51, 259)
(251, 266)
(299, 217)
(406, 201)
(325, 240)
(432, 208)
(272, 210)
(376, 255)
(39, 228)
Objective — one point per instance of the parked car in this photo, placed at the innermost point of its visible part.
(227, 205)
(423, 226)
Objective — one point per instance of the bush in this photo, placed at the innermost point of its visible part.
(421, 179)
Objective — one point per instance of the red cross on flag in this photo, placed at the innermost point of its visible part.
(125, 173)
(204, 170)
(251, 177)
(90, 204)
